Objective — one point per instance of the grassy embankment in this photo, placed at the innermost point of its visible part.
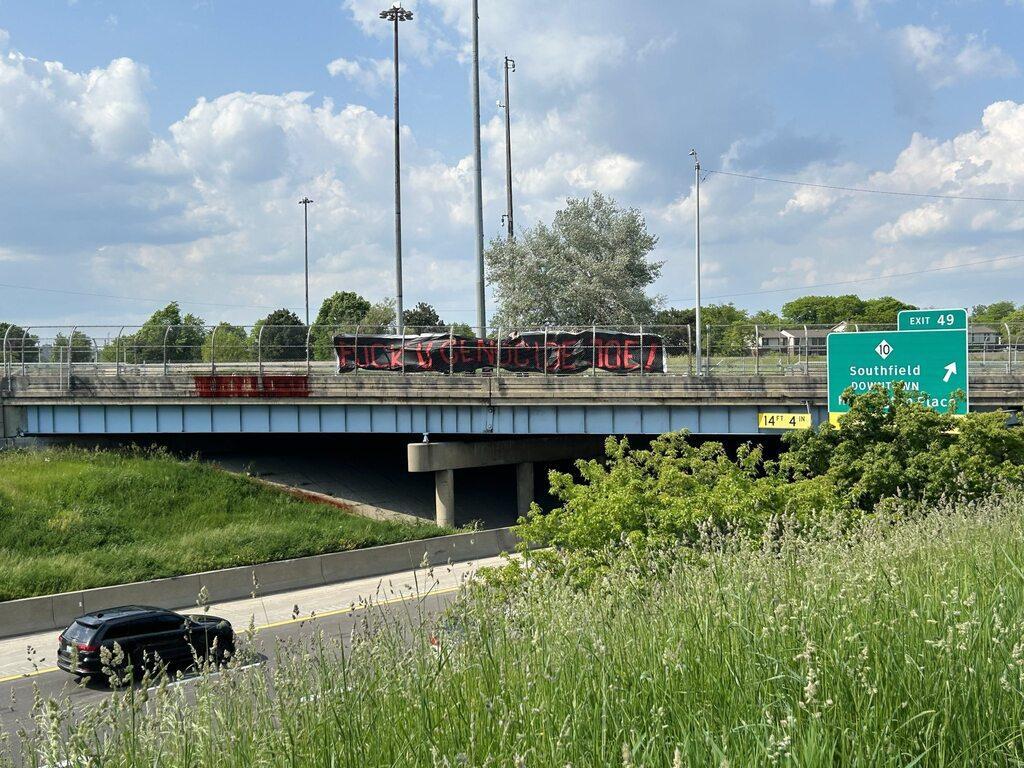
(899, 644)
(72, 519)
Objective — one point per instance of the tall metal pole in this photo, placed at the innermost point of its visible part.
(395, 14)
(696, 177)
(481, 307)
(304, 202)
(510, 66)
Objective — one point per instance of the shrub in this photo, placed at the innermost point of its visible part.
(890, 450)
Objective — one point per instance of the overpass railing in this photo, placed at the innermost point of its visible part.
(735, 349)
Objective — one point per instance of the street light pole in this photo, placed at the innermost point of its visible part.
(395, 14)
(696, 178)
(481, 306)
(510, 66)
(305, 203)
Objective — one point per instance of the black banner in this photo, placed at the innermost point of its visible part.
(528, 352)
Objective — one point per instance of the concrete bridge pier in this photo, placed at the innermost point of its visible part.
(444, 458)
(444, 497)
(12, 423)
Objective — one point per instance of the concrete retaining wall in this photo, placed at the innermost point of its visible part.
(38, 614)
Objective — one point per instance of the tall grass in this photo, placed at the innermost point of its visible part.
(895, 644)
(73, 519)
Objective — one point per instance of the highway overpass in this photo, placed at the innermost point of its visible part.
(523, 418)
(96, 401)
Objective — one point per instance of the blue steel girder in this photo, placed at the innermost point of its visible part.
(284, 418)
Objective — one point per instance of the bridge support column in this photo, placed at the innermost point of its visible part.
(12, 420)
(444, 497)
(524, 487)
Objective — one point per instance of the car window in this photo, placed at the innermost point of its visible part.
(122, 630)
(164, 622)
(80, 633)
(168, 621)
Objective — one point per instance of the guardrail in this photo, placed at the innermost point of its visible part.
(737, 349)
(37, 614)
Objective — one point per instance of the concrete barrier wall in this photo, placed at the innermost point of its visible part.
(38, 614)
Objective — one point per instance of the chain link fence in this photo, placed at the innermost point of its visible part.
(738, 349)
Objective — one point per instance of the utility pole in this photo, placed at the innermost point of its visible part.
(481, 306)
(305, 202)
(510, 66)
(395, 14)
(696, 178)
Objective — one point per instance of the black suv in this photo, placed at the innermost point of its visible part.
(144, 634)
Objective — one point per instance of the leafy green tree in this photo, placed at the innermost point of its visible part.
(183, 337)
(232, 344)
(766, 317)
(78, 348)
(20, 345)
(992, 314)
(423, 317)
(281, 335)
(380, 317)
(676, 328)
(339, 312)
(890, 452)
(890, 445)
(660, 497)
(589, 266)
(1015, 322)
(827, 310)
(880, 311)
(727, 328)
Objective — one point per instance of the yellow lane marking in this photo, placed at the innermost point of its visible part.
(34, 673)
(300, 620)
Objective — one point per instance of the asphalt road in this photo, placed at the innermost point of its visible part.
(17, 695)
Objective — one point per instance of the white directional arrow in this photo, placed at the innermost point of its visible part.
(950, 371)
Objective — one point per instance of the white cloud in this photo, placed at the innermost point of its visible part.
(565, 48)
(920, 222)
(810, 200)
(368, 74)
(657, 45)
(210, 211)
(943, 61)
(610, 173)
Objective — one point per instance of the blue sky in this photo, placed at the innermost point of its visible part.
(156, 150)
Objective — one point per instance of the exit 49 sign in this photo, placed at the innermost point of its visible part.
(932, 320)
(930, 362)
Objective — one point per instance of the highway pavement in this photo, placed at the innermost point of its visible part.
(27, 662)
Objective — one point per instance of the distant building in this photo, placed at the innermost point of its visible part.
(797, 340)
(982, 335)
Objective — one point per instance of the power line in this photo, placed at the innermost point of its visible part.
(864, 279)
(133, 298)
(818, 285)
(868, 190)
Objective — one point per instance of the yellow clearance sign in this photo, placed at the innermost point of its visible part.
(784, 421)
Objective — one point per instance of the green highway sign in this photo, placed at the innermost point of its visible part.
(932, 362)
(932, 320)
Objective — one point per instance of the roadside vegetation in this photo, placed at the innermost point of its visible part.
(891, 454)
(73, 519)
(891, 641)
